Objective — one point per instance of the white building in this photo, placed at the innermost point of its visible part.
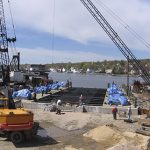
(63, 70)
(108, 71)
(52, 70)
(73, 70)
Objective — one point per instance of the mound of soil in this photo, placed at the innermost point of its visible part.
(116, 140)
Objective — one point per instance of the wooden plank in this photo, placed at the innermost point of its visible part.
(145, 128)
(143, 132)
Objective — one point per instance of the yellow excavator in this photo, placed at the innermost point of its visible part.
(16, 124)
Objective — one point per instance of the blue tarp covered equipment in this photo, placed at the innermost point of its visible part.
(40, 89)
(25, 93)
(116, 96)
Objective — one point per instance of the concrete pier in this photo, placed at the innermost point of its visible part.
(93, 101)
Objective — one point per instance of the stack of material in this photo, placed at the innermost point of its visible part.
(27, 93)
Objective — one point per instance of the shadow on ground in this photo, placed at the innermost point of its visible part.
(41, 139)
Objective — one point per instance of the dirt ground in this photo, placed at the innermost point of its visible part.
(81, 131)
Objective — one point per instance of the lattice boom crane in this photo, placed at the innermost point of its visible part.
(116, 39)
(5, 63)
(4, 56)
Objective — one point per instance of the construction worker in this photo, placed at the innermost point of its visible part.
(129, 113)
(34, 96)
(58, 110)
(42, 92)
(81, 100)
(114, 112)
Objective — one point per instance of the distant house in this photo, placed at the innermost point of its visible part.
(89, 70)
(63, 70)
(37, 67)
(100, 71)
(132, 72)
(52, 70)
(73, 70)
(108, 71)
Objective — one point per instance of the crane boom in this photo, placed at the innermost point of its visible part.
(4, 56)
(116, 39)
(5, 65)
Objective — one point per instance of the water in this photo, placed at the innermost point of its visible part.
(90, 80)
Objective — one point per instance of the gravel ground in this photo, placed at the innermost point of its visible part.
(65, 132)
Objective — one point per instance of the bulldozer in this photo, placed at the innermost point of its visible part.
(16, 124)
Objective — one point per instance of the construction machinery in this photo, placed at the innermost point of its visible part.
(116, 39)
(5, 42)
(16, 124)
(145, 123)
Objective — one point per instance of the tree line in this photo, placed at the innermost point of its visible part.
(117, 66)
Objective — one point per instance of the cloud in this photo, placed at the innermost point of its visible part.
(33, 14)
(71, 20)
(40, 55)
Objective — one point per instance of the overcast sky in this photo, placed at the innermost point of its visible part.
(64, 31)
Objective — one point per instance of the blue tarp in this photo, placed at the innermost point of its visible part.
(55, 86)
(62, 84)
(123, 100)
(25, 93)
(40, 89)
(49, 87)
(116, 96)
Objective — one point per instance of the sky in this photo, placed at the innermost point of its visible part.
(60, 31)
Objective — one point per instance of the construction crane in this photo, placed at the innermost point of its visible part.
(116, 39)
(16, 124)
(6, 64)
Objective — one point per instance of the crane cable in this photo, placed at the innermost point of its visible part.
(53, 31)
(123, 23)
(13, 26)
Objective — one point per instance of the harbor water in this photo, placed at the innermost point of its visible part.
(91, 80)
